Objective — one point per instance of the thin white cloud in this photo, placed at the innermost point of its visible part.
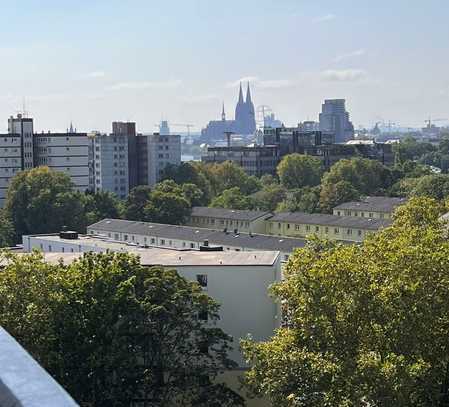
(356, 53)
(96, 75)
(325, 18)
(137, 85)
(343, 75)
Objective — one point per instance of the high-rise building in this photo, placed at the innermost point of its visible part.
(23, 126)
(64, 152)
(128, 129)
(335, 119)
(155, 152)
(109, 163)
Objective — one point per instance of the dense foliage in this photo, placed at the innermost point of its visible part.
(112, 331)
(363, 325)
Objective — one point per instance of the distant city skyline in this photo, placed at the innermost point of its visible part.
(94, 62)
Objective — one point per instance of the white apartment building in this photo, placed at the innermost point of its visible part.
(64, 152)
(155, 152)
(10, 161)
(238, 281)
(109, 163)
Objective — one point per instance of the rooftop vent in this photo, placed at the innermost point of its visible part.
(68, 235)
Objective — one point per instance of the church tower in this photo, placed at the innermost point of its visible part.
(239, 111)
(250, 122)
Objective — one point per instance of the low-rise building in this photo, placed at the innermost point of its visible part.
(256, 160)
(230, 219)
(238, 281)
(376, 207)
(298, 224)
(186, 237)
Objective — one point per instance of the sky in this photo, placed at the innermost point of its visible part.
(97, 61)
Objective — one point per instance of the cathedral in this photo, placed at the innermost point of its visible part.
(244, 122)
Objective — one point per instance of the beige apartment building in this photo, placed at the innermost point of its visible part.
(230, 219)
(374, 207)
(332, 227)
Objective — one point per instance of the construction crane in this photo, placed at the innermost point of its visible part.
(188, 126)
(430, 120)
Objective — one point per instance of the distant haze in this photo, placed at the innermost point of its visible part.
(95, 61)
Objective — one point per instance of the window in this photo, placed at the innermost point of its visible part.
(192, 245)
(288, 225)
(317, 228)
(153, 240)
(308, 228)
(162, 242)
(359, 232)
(336, 231)
(370, 214)
(202, 280)
(349, 232)
(49, 247)
(296, 227)
(279, 225)
(125, 237)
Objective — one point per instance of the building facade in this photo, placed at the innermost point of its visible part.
(11, 161)
(230, 219)
(374, 207)
(155, 153)
(257, 160)
(332, 227)
(335, 119)
(109, 163)
(64, 152)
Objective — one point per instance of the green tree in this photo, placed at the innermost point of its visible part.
(43, 201)
(228, 175)
(167, 204)
(411, 149)
(232, 199)
(113, 332)
(100, 205)
(332, 195)
(269, 197)
(297, 171)
(305, 199)
(366, 176)
(434, 186)
(7, 234)
(363, 325)
(193, 194)
(135, 203)
(190, 173)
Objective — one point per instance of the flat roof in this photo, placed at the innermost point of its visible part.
(331, 220)
(234, 214)
(373, 203)
(189, 233)
(161, 256)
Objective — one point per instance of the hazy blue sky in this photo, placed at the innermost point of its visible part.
(95, 61)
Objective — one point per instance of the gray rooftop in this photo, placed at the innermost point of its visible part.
(233, 214)
(216, 237)
(330, 220)
(373, 203)
(156, 256)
